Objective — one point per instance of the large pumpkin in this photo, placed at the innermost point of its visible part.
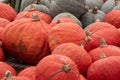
(7, 12)
(105, 69)
(64, 33)
(3, 22)
(28, 72)
(76, 53)
(28, 14)
(57, 67)
(26, 39)
(76, 7)
(6, 67)
(107, 50)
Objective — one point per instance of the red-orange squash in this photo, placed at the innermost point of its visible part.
(108, 50)
(4, 22)
(7, 12)
(105, 69)
(6, 67)
(76, 53)
(57, 67)
(28, 72)
(28, 14)
(26, 39)
(64, 33)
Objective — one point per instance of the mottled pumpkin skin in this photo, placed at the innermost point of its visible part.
(64, 33)
(76, 53)
(7, 12)
(26, 40)
(61, 20)
(28, 14)
(98, 26)
(110, 35)
(112, 16)
(109, 50)
(51, 68)
(105, 69)
(28, 72)
(76, 7)
(6, 67)
(4, 22)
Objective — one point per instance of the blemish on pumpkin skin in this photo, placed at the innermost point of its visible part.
(21, 47)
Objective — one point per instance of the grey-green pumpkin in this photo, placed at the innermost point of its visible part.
(45, 2)
(38, 7)
(25, 3)
(76, 7)
(91, 15)
(67, 15)
(93, 3)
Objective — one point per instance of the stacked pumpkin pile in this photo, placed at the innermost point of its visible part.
(61, 42)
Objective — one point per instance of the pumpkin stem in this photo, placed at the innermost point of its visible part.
(103, 43)
(88, 33)
(67, 68)
(35, 17)
(58, 21)
(88, 39)
(8, 76)
(102, 56)
(117, 2)
(86, 8)
(95, 10)
(32, 8)
(37, 2)
(97, 20)
(82, 45)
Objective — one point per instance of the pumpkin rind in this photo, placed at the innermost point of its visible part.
(4, 22)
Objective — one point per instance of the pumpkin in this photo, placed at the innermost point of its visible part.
(93, 3)
(64, 33)
(7, 12)
(105, 69)
(110, 35)
(28, 72)
(62, 68)
(76, 7)
(91, 15)
(82, 77)
(61, 20)
(32, 10)
(116, 7)
(108, 50)
(26, 39)
(45, 2)
(38, 7)
(114, 20)
(4, 22)
(5, 67)
(98, 26)
(9, 76)
(67, 15)
(76, 53)
(25, 3)
(2, 57)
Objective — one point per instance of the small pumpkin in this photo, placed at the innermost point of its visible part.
(6, 67)
(105, 69)
(76, 53)
(76, 7)
(57, 67)
(91, 15)
(64, 33)
(108, 50)
(67, 15)
(4, 22)
(28, 14)
(93, 3)
(28, 72)
(26, 39)
(39, 7)
(7, 12)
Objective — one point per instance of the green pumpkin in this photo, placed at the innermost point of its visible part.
(67, 15)
(91, 15)
(76, 7)
(25, 3)
(45, 2)
(93, 3)
(38, 7)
